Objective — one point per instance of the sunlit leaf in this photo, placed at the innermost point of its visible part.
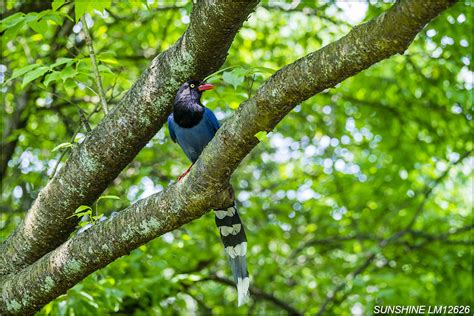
(262, 136)
(34, 74)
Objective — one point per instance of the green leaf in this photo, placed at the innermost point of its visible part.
(70, 86)
(56, 17)
(82, 211)
(108, 59)
(20, 72)
(234, 78)
(218, 72)
(86, 6)
(101, 5)
(82, 208)
(81, 214)
(60, 146)
(40, 26)
(11, 21)
(30, 17)
(57, 4)
(97, 217)
(81, 7)
(32, 75)
(68, 72)
(61, 61)
(54, 76)
(13, 136)
(262, 136)
(240, 72)
(105, 69)
(11, 32)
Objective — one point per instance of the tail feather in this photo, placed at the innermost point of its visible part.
(233, 237)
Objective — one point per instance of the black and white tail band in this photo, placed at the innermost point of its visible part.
(233, 237)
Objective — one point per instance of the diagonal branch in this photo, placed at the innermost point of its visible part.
(205, 187)
(113, 144)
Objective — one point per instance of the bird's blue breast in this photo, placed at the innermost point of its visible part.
(193, 140)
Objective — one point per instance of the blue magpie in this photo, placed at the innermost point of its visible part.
(192, 126)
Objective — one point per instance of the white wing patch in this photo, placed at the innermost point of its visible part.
(234, 230)
(229, 212)
(220, 214)
(237, 250)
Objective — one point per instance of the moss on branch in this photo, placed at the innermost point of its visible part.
(113, 144)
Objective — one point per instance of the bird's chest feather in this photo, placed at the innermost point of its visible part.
(193, 139)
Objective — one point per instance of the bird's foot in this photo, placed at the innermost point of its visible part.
(184, 173)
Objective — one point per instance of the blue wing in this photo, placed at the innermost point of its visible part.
(171, 128)
(212, 120)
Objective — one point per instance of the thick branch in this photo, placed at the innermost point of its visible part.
(59, 270)
(120, 136)
(180, 203)
(365, 45)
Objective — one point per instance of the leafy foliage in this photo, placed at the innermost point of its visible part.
(344, 171)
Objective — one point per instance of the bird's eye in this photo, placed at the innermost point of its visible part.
(192, 85)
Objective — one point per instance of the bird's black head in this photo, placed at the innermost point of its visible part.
(191, 91)
(187, 108)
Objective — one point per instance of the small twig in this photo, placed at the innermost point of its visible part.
(100, 88)
(64, 153)
(84, 120)
(112, 96)
(249, 91)
(86, 86)
(87, 127)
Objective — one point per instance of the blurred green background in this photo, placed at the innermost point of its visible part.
(361, 196)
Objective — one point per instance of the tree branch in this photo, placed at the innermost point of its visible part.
(119, 137)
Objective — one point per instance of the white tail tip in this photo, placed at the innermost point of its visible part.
(243, 290)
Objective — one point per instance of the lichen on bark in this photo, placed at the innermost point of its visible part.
(113, 144)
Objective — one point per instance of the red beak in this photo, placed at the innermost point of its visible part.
(206, 86)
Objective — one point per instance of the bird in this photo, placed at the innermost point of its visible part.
(192, 126)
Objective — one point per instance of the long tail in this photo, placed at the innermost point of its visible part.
(235, 243)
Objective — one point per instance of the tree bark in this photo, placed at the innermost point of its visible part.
(113, 144)
(206, 185)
